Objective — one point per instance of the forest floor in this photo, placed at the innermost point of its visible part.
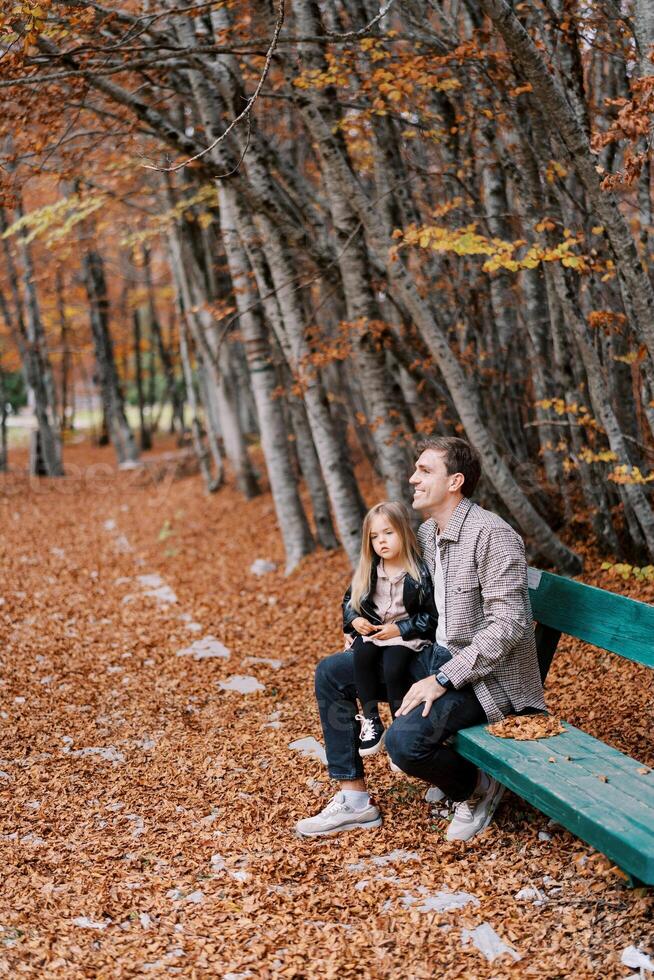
(148, 812)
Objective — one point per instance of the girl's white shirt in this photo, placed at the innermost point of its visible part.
(389, 602)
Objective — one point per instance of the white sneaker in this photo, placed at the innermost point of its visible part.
(434, 795)
(474, 815)
(338, 816)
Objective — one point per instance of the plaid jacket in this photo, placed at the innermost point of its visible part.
(488, 619)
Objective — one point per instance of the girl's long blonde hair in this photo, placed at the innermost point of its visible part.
(398, 517)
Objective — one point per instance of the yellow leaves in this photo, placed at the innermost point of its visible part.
(446, 85)
(25, 20)
(194, 208)
(553, 170)
(337, 72)
(560, 407)
(605, 456)
(597, 229)
(502, 254)
(625, 474)
(54, 222)
(461, 241)
(558, 404)
(625, 572)
(633, 357)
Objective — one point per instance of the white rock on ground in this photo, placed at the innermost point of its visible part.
(488, 942)
(530, 894)
(637, 960)
(309, 747)
(204, 649)
(85, 923)
(398, 856)
(439, 902)
(242, 683)
(155, 587)
(262, 567)
(108, 753)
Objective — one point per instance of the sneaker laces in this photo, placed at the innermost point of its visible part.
(367, 728)
(336, 804)
(464, 810)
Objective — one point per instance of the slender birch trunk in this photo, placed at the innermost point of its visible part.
(274, 437)
(118, 427)
(27, 330)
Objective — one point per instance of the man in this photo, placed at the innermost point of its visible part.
(483, 665)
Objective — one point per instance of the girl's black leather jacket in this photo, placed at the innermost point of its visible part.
(418, 598)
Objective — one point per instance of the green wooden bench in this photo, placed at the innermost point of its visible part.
(592, 789)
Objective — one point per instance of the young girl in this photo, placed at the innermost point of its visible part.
(389, 610)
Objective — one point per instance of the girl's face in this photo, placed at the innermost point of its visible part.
(384, 538)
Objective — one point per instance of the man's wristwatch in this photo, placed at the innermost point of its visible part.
(444, 680)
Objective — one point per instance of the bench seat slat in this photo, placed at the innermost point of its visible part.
(607, 620)
(588, 756)
(616, 817)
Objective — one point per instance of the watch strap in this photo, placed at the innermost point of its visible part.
(444, 680)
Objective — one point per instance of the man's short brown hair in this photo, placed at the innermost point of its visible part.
(460, 457)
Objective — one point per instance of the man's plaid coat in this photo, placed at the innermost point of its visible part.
(488, 620)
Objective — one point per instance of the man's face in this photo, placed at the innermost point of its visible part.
(430, 481)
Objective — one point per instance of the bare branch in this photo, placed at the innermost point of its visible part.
(250, 103)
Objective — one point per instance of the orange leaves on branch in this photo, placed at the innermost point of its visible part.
(607, 320)
(632, 124)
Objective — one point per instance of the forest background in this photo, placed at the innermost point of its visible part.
(318, 223)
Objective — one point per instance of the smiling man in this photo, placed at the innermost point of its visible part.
(483, 665)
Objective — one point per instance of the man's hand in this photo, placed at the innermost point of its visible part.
(386, 632)
(362, 626)
(427, 690)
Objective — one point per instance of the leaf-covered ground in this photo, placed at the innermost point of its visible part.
(148, 811)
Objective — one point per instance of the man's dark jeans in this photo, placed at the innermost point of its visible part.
(414, 743)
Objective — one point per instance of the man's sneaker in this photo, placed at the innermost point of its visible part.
(372, 735)
(338, 816)
(473, 815)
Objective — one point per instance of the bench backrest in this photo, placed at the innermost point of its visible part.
(607, 620)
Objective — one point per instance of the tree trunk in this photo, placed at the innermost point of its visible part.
(3, 423)
(146, 439)
(163, 351)
(120, 433)
(199, 448)
(66, 360)
(27, 330)
(274, 437)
